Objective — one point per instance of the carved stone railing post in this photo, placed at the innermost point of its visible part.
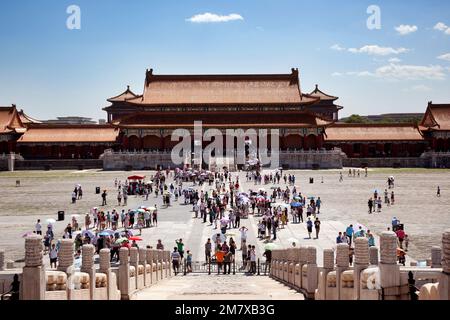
(373, 256)
(436, 257)
(389, 269)
(66, 263)
(444, 281)
(312, 272)
(342, 264)
(33, 276)
(124, 274)
(362, 261)
(303, 260)
(105, 268)
(152, 265)
(87, 265)
(328, 266)
(2, 260)
(134, 261)
(143, 262)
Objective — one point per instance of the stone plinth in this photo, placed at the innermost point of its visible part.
(362, 261)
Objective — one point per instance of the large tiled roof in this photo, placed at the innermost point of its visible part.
(322, 95)
(66, 134)
(437, 117)
(372, 132)
(223, 119)
(222, 89)
(124, 96)
(10, 120)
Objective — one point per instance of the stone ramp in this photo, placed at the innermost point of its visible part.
(222, 287)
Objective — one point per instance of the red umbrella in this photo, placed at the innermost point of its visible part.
(135, 238)
(136, 178)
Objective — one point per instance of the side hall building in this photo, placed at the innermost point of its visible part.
(145, 122)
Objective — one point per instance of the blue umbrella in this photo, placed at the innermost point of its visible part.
(296, 204)
(104, 234)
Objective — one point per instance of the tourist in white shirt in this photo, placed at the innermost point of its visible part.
(38, 227)
(53, 255)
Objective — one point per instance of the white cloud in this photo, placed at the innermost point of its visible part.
(440, 26)
(410, 72)
(337, 47)
(378, 51)
(394, 60)
(403, 72)
(418, 88)
(445, 57)
(405, 29)
(337, 74)
(212, 18)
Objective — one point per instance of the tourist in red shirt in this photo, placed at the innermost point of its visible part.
(401, 236)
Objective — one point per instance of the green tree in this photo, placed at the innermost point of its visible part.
(356, 118)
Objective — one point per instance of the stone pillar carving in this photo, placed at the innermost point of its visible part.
(328, 259)
(161, 264)
(342, 262)
(143, 262)
(134, 262)
(124, 274)
(444, 281)
(168, 268)
(311, 272)
(436, 257)
(362, 261)
(87, 265)
(373, 256)
(446, 251)
(389, 270)
(150, 261)
(2, 260)
(105, 260)
(66, 257)
(328, 266)
(156, 265)
(33, 276)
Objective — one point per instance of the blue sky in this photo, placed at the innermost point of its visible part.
(49, 70)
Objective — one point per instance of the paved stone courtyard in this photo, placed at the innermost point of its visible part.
(42, 194)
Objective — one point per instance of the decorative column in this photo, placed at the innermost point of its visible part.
(156, 264)
(312, 272)
(87, 265)
(105, 268)
(436, 257)
(161, 264)
(328, 266)
(342, 262)
(66, 257)
(168, 268)
(373, 256)
(143, 262)
(444, 281)
(33, 275)
(362, 261)
(134, 262)
(124, 274)
(285, 266)
(291, 266)
(152, 265)
(389, 269)
(303, 260)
